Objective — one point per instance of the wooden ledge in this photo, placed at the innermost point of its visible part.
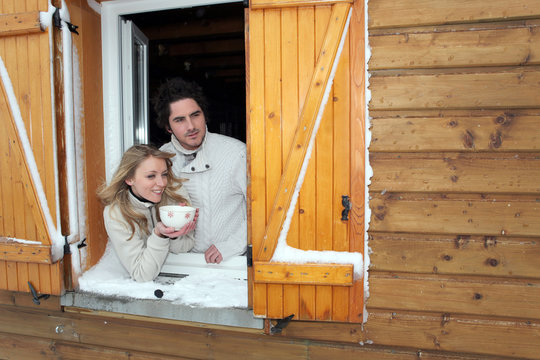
(20, 252)
(310, 274)
(20, 24)
(269, 4)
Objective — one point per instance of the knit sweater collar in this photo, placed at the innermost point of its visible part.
(201, 162)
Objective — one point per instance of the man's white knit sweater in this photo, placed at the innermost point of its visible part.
(217, 186)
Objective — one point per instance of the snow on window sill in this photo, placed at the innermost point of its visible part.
(188, 289)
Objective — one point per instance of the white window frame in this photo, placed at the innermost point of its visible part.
(135, 84)
(111, 13)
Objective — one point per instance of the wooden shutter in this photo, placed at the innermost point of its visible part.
(25, 51)
(291, 48)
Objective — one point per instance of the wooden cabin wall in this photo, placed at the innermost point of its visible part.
(455, 192)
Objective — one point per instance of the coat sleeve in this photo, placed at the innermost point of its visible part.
(143, 262)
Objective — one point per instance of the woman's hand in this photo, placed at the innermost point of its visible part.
(167, 231)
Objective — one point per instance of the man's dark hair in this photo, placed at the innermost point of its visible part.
(173, 90)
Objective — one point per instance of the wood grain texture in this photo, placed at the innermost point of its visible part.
(342, 170)
(357, 230)
(306, 124)
(307, 51)
(497, 256)
(467, 214)
(457, 46)
(455, 294)
(290, 113)
(388, 13)
(256, 146)
(478, 89)
(31, 253)
(266, 4)
(441, 332)
(455, 172)
(273, 133)
(324, 166)
(449, 332)
(325, 274)
(20, 23)
(22, 165)
(457, 131)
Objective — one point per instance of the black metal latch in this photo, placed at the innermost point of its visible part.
(280, 325)
(346, 202)
(35, 297)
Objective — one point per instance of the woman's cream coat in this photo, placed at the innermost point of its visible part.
(143, 255)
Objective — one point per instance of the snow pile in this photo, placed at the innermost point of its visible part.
(109, 278)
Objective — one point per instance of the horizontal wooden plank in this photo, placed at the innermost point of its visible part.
(311, 274)
(24, 299)
(26, 347)
(467, 255)
(431, 332)
(389, 13)
(455, 295)
(455, 172)
(496, 88)
(270, 4)
(455, 214)
(439, 336)
(31, 347)
(22, 252)
(493, 131)
(20, 23)
(457, 46)
(372, 352)
(449, 332)
(158, 338)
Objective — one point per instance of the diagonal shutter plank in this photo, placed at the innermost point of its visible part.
(28, 184)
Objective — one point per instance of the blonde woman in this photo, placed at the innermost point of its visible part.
(142, 183)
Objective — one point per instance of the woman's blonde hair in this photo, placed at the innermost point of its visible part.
(116, 193)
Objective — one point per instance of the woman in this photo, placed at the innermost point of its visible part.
(142, 183)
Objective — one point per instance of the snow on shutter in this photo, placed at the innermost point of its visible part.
(292, 46)
(25, 51)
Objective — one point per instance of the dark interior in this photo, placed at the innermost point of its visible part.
(203, 44)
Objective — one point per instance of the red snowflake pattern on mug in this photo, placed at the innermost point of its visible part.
(188, 216)
(170, 214)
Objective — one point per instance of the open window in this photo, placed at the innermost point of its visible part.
(151, 42)
(303, 68)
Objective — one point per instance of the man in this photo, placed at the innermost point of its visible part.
(214, 164)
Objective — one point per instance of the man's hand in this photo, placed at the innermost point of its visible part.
(212, 255)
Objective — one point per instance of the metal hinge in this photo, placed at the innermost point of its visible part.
(249, 255)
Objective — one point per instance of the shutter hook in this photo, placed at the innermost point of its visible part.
(35, 297)
(280, 325)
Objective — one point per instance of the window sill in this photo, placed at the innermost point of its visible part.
(191, 290)
(165, 309)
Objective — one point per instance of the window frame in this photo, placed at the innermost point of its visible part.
(111, 13)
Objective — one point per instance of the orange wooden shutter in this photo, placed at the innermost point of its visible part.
(25, 51)
(291, 49)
